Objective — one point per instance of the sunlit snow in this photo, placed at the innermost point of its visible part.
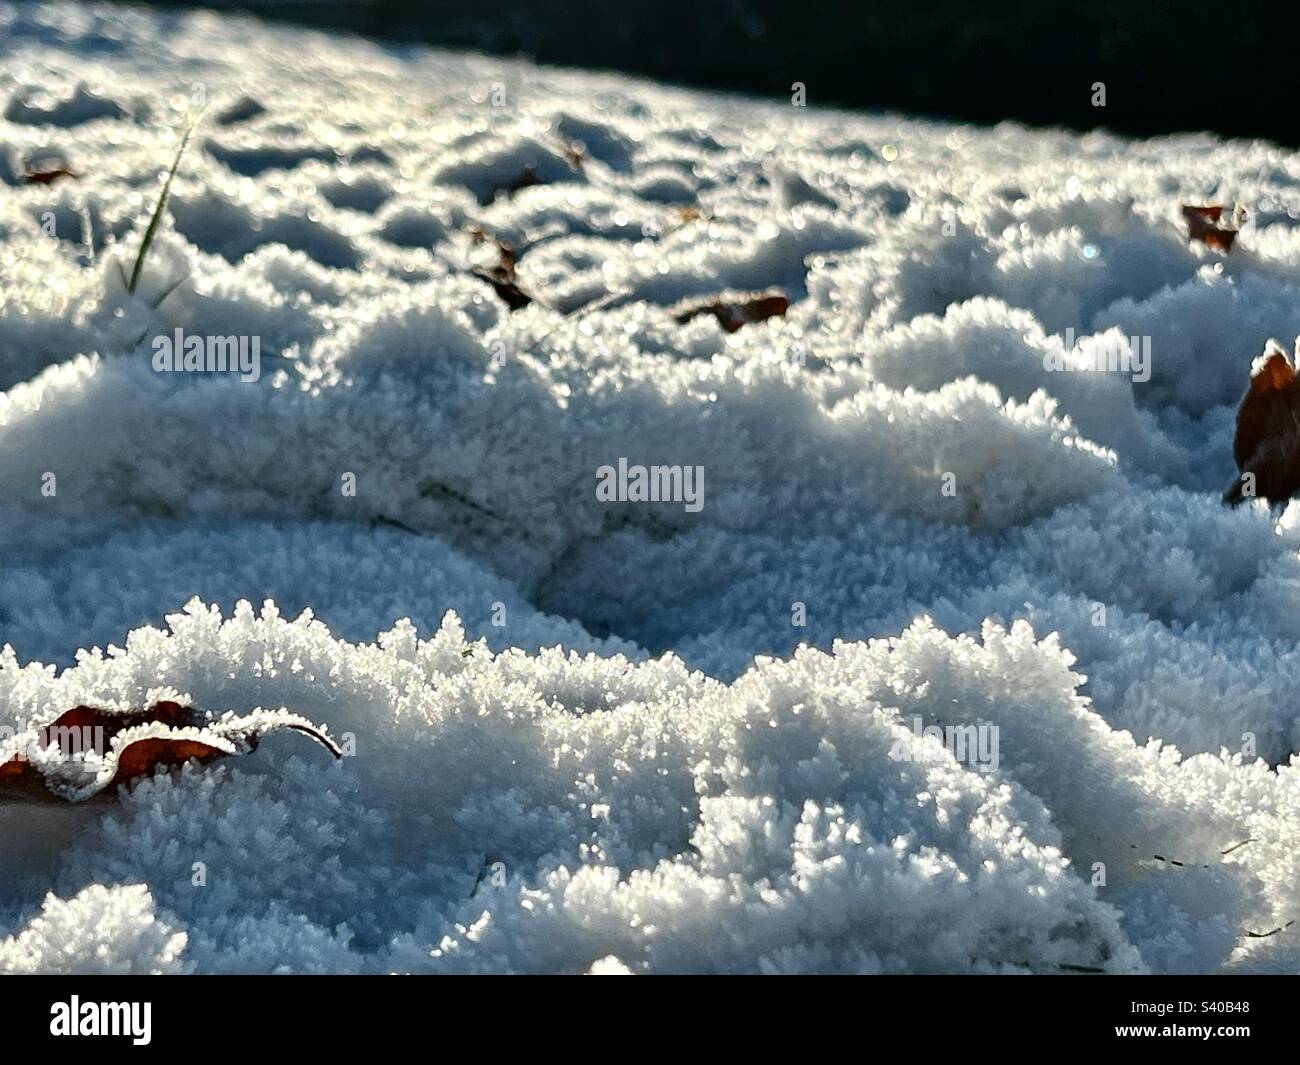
(691, 781)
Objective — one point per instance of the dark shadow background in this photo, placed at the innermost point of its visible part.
(1167, 66)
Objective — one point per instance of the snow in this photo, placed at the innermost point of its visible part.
(101, 932)
(586, 736)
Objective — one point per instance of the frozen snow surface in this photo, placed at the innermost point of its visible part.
(590, 736)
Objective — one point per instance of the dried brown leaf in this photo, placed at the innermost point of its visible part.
(1205, 224)
(1266, 447)
(735, 311)
(171, 734)
(48, 176)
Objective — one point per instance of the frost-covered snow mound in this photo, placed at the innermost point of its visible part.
(594, 736)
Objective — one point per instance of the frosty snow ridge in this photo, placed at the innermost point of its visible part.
(211, 354)
(649, 786)
(655, 484)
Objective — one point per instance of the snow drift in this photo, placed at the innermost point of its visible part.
(595, 737)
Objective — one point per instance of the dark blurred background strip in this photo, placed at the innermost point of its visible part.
(1167, 66)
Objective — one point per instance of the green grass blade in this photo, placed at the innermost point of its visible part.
(158, 210)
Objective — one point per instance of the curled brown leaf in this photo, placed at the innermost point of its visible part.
(87, 752)
(1266, 446)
